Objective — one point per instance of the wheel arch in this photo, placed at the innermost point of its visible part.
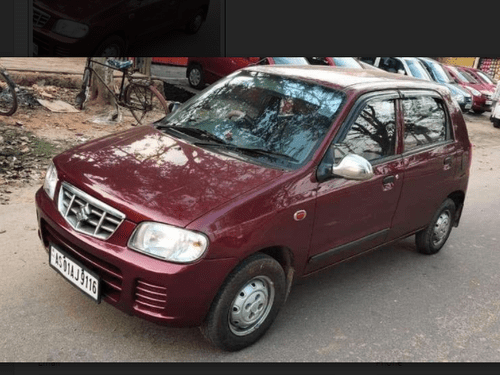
(458, 197)
(285, 258)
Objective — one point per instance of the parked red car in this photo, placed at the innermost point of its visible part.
(107, 27)
(206, 70)
(481, 76)
(481, 95)
(273, 173)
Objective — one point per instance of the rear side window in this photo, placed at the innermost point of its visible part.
(425, 122)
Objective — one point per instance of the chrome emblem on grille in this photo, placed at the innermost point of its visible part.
(83, 213)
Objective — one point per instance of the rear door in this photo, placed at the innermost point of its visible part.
(430, 157)
(355, 216)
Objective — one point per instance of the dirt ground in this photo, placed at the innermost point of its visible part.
(33, 135)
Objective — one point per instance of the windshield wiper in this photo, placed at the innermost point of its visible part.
(194, 132)
(249, 150)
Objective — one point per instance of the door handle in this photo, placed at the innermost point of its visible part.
(388, 180)
(448, 160)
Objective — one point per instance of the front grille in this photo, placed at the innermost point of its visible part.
(39, 18)
(87, 214)
(149, 297)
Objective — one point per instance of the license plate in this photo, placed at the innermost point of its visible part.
(488, 102)
(77, 274)
(35, 49)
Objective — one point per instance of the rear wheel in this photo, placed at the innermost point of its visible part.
(247, 304)
(431, 239)
(145, 102)
(496, 122)
(8, 97)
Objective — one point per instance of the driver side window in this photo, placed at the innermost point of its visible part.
(372, 135)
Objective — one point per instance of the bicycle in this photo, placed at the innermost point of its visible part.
(140, 95)
(8, 97)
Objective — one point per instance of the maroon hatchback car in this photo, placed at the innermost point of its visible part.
(207, 217)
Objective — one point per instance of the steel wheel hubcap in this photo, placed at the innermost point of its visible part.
(441, 228)
(251, 306)
(195, 77)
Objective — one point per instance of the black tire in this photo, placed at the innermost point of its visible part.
(496, 122)
(195, 76)
(479, 111)
(145, 102)
(246, 304)
(195, 22)
(8, 97)
(431, 239)
(113, 46)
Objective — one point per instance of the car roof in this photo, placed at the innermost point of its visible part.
(349, 79)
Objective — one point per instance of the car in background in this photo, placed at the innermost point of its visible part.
(206, 70)
(481, 96)
(439, 75)
(481, 77)
(207, 217)
(341, 62)
(409, 66)
(107, 27)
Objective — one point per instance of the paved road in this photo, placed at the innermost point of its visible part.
(392, 305)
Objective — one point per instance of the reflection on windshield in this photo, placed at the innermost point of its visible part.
(438, 73)
(259, 111)
(486, 78)
(290, 60)
(417, 70)
(347, 62)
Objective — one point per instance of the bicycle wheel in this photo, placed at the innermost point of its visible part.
(8, 97)
(145, 102)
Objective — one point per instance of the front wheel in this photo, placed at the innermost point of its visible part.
(8, 97)
(145, 102)
(431, 239)
(247, 304)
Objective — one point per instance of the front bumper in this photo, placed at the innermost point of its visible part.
(158, 291)
(47, 43)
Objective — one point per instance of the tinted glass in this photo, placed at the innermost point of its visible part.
(373, 133)
(424, 121)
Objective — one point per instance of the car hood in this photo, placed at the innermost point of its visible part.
(81, 11)
(149, 175)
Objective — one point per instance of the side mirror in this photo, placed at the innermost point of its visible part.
(173, 106)
(401, 71)
(353, 167)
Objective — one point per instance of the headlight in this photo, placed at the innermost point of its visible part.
(70, 28)
(474, 91)
(168, 243)
(50, 182)
(459, 98)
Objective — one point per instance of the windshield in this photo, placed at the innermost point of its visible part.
(417, 70)
(290, 60)
(486, 78)
(463, 76)
(347, 62)
(260, 117)
(437, 72)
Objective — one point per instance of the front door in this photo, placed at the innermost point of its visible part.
(354, 216)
